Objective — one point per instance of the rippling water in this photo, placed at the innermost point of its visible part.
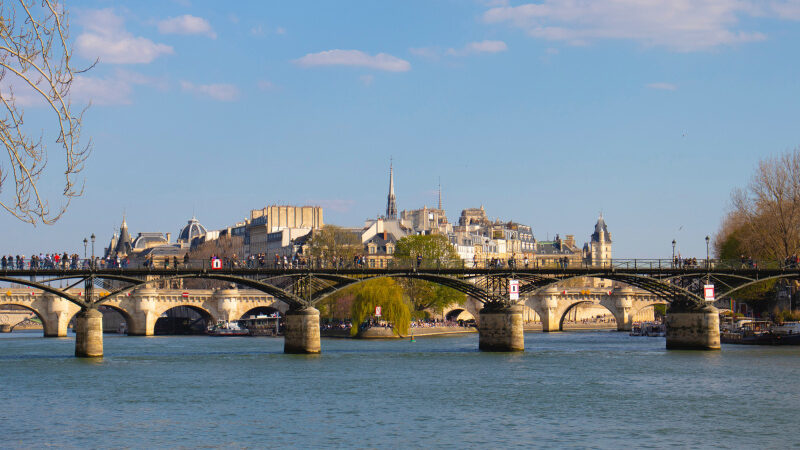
(579, 389)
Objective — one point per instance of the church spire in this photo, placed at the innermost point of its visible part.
(391, 206)
(440, 193)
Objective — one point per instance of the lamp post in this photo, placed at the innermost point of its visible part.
(673, 253)
(85, 241)
(708, 264)
(92, 237)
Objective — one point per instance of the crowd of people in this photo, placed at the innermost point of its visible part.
(43, 261)
(684, 263)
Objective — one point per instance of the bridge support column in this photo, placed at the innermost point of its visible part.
(548, 311)
(5, 328)
(623, 303)
(302, 331)
(144, 315)
(56, 316)
(692, 327)
(500, 329)
(89, 333)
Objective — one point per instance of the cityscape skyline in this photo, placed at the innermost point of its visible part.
(214, 109)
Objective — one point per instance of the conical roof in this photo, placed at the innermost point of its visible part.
(124, 242)
(600, 229)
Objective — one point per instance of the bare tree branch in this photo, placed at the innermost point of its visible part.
(35, 57)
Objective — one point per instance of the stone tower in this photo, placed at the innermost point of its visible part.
(600, 245)
(391, 205)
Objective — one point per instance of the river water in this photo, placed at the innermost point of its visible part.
(575, 389)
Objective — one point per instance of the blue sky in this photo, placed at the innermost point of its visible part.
(546, 113)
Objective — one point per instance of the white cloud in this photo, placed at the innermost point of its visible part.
(682, 25)
(222, 92)
(102, 91)
(186, 24)
(366, 80)
(114, 90)
(425, 52)
(355, 58)
(662, 86)
(12, 87)
(480, 47)
(280, 30)
(107, 39)
(257, 31)
(265, 85)
(787, 10)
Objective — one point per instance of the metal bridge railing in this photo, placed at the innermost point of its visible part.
(382, 262)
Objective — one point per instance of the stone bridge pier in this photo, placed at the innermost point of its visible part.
(692, 327)
(500, 329)
(89, 333)
(302, 331)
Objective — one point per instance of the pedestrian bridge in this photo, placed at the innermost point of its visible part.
(300, 289)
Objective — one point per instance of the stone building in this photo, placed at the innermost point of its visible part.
(271, 219)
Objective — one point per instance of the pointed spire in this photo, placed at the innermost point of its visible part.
(391, 206)
(440, 193)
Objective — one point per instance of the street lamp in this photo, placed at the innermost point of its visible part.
(673, 252)
(707, 263)
(92, 236)
(85, 241)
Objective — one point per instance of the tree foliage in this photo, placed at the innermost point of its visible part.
(765, 219)
(424, 295)
(387, 294)
(36, 68)
(435, 249)
(333, 243)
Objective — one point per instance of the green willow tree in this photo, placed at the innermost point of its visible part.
(436, 251)
(383, 292)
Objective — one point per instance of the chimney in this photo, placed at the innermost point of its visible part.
(385, 235)
(169, 237)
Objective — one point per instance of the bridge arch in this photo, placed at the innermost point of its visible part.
(462, 286)
(573, 306)
(49, 289)
(29, 308)
(754, 282)
(652, 285)
(180, 325)
(279, 294)
(261, 310)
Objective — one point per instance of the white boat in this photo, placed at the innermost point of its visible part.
(223, 328)
(786, 329)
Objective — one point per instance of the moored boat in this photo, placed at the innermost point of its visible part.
(228, 329)
(759, 332)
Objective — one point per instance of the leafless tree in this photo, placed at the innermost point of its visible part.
(765, 218)
(36, 67)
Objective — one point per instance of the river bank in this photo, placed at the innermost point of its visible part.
(387, 333)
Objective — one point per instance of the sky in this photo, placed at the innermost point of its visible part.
(546, 113)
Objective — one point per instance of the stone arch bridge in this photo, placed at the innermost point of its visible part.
(691, 321)
(142, 308)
